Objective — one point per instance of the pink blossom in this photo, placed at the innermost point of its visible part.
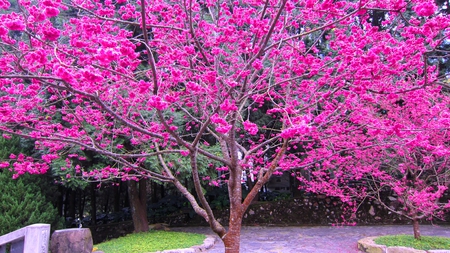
(218, 120)
(3, 31)
(15, 25)
(250, 127)
(51, 33)
(48, 158)
(144, 86)
(214, 183)
(223, 168)
(157, 103)
(194, 87)
(366, 106)
(90, 74)
(189, 50)
(227, 106)
(4, 4)
(107, 55)
(51, 12)
(257, 64)
(64, 74)
(49, 3)
(295, 131)
(224, 129)
(425, 8)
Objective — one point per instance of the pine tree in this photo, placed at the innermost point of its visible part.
(23, 201)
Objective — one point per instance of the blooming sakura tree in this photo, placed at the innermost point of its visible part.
(408, 158)
(172, 78)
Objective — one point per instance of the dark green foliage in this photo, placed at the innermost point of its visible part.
(22, 203)
(171, 204)
(9, 146)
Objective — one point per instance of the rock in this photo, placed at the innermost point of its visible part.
(372, 211)
(368, 245)
(403, 250)
(251, 212)
(159, 226)
(71, 240)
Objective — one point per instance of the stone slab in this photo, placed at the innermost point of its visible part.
(32, 239)
(404, 250)
(368, 245)
(72, 240)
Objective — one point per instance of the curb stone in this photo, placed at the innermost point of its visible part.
(207, 244)
(369, 246)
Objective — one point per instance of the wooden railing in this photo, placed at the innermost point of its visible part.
(30, 239)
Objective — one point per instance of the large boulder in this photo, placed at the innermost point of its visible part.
(71, 240)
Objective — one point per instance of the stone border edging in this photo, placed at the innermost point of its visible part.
(207, 244)
(368, 245)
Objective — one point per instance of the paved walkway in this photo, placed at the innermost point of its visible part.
(311, 239)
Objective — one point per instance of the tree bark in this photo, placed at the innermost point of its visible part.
(71, 203)
(232, 239)
(106, 198)
(93, 204)
(416, 228)
(138, 205)
(116, 194)
(81, 203)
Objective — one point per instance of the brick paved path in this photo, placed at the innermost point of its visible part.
(312, 239)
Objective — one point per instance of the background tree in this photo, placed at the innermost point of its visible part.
(406, 169)
(321, 65)
(24, 200)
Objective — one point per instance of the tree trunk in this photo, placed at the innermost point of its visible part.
(416, 228)
(71, 203)
(154, 192)
(116, 194)
(93, 205)
(138, 205)
(81, 202)
(163, 192)
(60, 202)
(232, 239)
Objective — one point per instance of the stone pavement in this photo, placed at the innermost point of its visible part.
(311, 239)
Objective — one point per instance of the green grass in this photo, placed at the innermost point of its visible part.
(150, 242)
(425, 243)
